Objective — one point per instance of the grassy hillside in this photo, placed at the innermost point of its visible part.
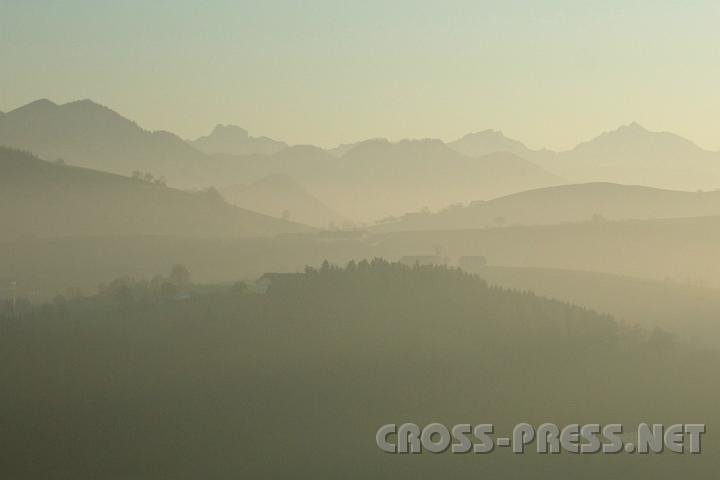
(295, 382)
(40, 199)
(564, 204)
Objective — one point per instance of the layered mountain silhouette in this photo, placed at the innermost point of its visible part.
(630, 155)
(233, 140)
(377, 177)
(489, 141)
(41, 199)
(565, 204)
(86, 134)
(370, 180)
(634, 155)
(367, 180)
(280, 196)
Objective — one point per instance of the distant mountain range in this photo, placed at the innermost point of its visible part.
(233, 140)
(377, 177)
(366, 180)
(565, 204)
(629, 155)
(86, 134)
(280, 196)
(42, 200)
(371, 179)
(634, 155)
(491, 141)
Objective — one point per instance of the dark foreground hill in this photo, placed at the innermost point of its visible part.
(41, 199)
(294, 383)
(689, 312)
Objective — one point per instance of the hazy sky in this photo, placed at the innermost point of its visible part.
(550, 73)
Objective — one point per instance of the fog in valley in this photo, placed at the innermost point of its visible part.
(237, 303)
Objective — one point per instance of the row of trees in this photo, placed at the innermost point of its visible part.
(148, 177)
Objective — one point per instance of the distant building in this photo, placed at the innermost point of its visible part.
(425, 260)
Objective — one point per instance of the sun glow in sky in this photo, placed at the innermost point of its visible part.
(551, 73)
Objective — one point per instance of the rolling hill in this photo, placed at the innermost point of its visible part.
(280, 196)
(680, 249)
(687, 311)
(564, 204)
(40, 199)
(198, 388)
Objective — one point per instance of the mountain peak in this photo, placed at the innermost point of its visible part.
(229, 131)
(435, 142)
(85, 103)
(88, 107)
(234, 140)
(486, 142)
(41, 105)
(633, 127)
(488, 133)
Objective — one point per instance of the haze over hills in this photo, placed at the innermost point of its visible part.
(564, 204)
(41, 199)
(320, 355)
(675, 248)
(280, 196)
(679, 249)
(376, 178)
(631, 154)
(367, 180)
(372, 179)
(491, 141)
(86, 134)
(687, 311)
(233, 140)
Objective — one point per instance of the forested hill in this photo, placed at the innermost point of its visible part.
(42, 199)
(161, 378)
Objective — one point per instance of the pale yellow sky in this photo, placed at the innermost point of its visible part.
(549, 73)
